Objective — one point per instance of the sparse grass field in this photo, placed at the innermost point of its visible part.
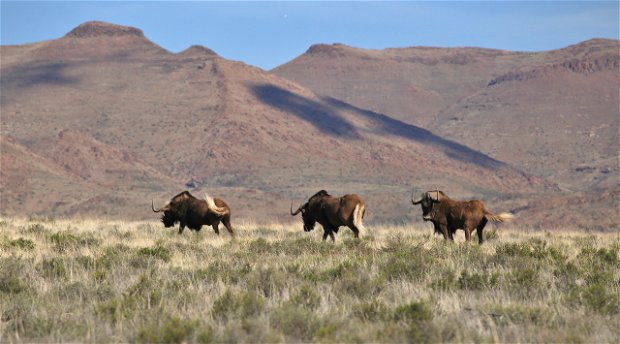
(106, 281)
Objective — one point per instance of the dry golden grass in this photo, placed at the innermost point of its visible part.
(110, 281)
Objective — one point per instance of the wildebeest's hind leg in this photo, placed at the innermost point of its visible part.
(226, 222)
(215, 226)
(356, 232)
(479, 230)
(468, 231)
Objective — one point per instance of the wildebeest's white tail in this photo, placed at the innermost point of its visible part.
(358, 215)
(214, 208)
(503, 217)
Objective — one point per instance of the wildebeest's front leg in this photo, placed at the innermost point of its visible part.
(328, 231)
(325, 233)
(181, 227)
(215, 226)
(443, 229)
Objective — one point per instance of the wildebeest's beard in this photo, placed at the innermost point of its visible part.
(308, 222)
(168, 219)
(427, 207)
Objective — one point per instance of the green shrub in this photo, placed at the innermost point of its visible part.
(359, 285)
(525, 278)
(112, 256)
(174, 330)
(11, 284)
(595, 298)
(117, 309)
(372, 311)
(296, 323)
(407, 266)
(524, 315)
(443, 280)
(414, 312)
(243, 305)
(54, 267)
(64, 241)
(307, 298)
(261, 246)
(158, 252)
(491, 234)
(36, 228)
(266, 281)
(21, 243)
(478, 281)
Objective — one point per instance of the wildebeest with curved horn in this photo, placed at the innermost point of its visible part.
(332, 212)
(448, 215)
(192, 212)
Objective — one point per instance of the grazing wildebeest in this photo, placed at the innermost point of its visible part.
(448, 215)
(332, 212)
(194, 213)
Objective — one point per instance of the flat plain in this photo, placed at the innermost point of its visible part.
(77, 280)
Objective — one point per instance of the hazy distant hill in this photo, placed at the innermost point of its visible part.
(102, 120)
(554, 113)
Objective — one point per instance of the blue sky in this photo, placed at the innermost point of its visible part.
(267, 34)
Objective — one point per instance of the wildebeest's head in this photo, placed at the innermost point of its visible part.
(308, 210)
(173, 210)
(427, 201)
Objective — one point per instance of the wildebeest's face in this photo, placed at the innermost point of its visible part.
(427, 201)
(309, 220)
(169, 218)
(427, 207)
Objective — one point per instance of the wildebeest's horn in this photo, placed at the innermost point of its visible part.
(415, 202)
(153, 207)
(296, 211)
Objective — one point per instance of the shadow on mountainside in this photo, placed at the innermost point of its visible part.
(21, 78)
(323, 116)
(391, 126)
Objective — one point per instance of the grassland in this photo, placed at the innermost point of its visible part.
(107, 281)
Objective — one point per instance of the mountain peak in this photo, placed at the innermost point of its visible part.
(327, 49)
(98, 29)
(198, 50)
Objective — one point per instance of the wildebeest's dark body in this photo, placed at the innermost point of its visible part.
(448, 215)
(192, 212)
(332, 212)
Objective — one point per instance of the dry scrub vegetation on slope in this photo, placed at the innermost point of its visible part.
(107, 281)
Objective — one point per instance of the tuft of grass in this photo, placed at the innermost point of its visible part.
(174, 330)
(242, 305)
(21, 243)
(157, 251)
(478, 281)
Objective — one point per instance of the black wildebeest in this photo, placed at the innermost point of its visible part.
(194, 213)
(332, 212)
(448, 215)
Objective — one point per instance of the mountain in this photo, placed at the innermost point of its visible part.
(553, 114)
(102, 120)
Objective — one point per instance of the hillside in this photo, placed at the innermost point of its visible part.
(553, 114)
(117, 121)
